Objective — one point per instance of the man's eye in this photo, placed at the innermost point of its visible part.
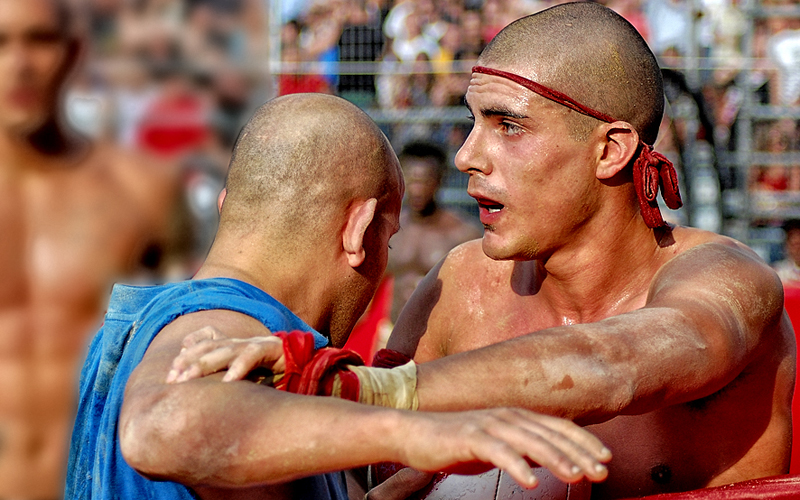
(510, 128)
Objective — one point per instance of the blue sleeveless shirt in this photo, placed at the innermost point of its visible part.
(96, 469)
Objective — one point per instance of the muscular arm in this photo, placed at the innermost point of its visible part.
(706, 314)
(210, 433)
(205, 432)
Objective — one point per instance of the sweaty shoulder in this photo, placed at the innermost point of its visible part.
(697, 244)
(720, 270)
(466, 277)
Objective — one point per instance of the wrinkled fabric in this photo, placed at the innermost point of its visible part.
(96, 469)
(318, 373)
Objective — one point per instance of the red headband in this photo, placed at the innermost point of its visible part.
(649, 169)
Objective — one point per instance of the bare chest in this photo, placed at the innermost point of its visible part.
(419, 247)
(66, 238)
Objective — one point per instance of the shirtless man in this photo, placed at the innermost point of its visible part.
(429, 231)
(313, 196)
(671, 343)
(75, 217)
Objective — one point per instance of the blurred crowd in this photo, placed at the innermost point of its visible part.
(178, 78)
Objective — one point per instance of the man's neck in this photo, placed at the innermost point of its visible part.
(427, 214)
(47, 145)
(602, 273)
(294, 282)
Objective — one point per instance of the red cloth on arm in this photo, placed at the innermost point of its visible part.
(387, 358)
(313, 372)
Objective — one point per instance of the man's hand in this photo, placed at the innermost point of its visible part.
(208, 351)
(509, 439)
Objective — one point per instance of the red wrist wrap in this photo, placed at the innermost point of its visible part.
(313, 372)
(387, 358)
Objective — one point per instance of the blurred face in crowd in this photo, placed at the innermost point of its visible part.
(35, 55)
(421, 182)
(793, 244)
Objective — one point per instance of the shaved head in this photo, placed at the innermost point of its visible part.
(590, 53)
(300, 160)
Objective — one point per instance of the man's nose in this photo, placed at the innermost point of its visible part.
(471, 158)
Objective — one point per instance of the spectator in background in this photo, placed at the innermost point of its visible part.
(788, 269)
(428, 230)
(177, 121)
(295, 78)
(77, 215)
(776, 138)
(361, 42)
(319, 38)
(472, 41)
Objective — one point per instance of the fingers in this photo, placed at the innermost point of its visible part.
(511, 439)
(188, 364)
(205, 333)
(401, 485)
(210, 352)
(568, 450)
(268, 352)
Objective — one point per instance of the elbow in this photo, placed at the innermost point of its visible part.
(618, 399)
(132, 439)
(149, 441)
(138, 443)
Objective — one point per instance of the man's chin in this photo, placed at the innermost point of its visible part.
(496, 251)
(492, 250)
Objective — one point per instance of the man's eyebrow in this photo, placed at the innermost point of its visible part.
(500, 111)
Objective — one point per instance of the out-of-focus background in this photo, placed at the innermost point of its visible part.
(180, 77)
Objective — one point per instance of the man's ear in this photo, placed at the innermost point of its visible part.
(620, 143)
(359, 218)
(221, 198)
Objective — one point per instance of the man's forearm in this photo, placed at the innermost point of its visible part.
(237, 434)
(588, 373)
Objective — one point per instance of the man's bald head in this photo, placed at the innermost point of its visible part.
(300, 160)
(590, 53)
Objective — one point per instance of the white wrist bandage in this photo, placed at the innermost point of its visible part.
(390, 388)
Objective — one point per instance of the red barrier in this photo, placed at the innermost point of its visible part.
(364, 337)
(772, 488)
(792, 305)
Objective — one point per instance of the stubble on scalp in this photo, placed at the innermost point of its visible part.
(590, 53)
(302, 158)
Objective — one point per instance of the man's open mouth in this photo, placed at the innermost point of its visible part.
(490, 206)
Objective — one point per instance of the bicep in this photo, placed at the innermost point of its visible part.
(709, 313)
(726, 292)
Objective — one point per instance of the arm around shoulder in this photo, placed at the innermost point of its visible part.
(208, 433)
(709, 313)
